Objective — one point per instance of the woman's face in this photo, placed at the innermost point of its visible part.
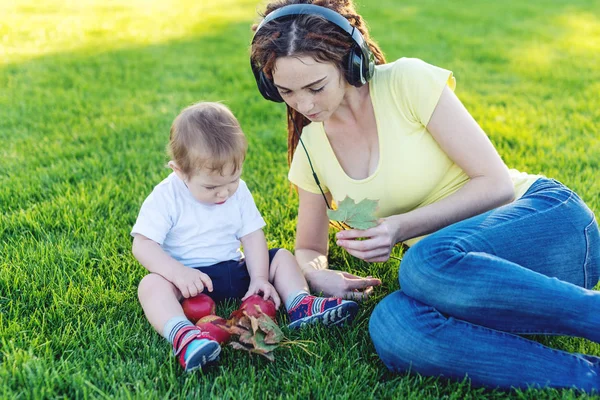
(314, 89)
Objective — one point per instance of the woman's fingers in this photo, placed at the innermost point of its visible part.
(380, 254)
(376, 246)
(367, 250)
(359, 294)
(356, 233)
(358, 288)
(355, 282)
(361, 245)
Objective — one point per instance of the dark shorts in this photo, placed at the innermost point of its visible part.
(230, 279)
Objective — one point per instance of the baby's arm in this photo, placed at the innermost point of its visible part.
(189, 281)
(257, 262)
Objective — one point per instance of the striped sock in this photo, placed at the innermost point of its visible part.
(174, 325)
(295, 298)
(193, 348)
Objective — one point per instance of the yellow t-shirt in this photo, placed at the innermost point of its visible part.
(413, 171)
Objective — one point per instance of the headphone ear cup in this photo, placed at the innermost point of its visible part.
(369, 66)
(355, 67)
(268, 89)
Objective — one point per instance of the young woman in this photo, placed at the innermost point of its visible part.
(494, 253)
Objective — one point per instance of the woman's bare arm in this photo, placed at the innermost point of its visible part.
(490, 185)
(312, 235)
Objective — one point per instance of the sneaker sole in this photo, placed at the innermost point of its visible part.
(337, 315)
(203, 356)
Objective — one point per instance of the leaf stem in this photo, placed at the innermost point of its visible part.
(336, 224)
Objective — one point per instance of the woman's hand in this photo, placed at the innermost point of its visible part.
(341, 284)
(377, 244)
(261, 285)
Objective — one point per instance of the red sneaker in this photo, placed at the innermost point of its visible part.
(196, 350)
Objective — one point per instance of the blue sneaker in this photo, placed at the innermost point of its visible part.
(327, 311)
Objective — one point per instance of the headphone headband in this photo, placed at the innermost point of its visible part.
(294, 10)
(361, 61)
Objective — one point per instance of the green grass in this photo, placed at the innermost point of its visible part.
(88, 93)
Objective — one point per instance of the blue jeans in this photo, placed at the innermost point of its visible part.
(469, 290)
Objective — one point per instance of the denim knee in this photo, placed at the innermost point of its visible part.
(425, 265)
(382, 323)
(412, 275)
(402, 331)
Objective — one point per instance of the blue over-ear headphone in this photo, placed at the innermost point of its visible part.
(361, 61)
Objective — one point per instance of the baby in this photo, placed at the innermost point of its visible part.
(188, 235)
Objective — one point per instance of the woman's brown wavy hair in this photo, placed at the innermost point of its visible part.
(310, 35)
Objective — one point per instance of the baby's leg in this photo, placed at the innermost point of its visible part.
(302, 308)
(286, 275)
(160, 300)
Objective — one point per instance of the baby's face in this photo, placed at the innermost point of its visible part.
(210, 187)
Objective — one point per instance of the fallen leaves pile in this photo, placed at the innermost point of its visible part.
(259, 335)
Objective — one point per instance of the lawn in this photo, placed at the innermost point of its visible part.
(88, 90)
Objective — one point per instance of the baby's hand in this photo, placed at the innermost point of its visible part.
(190, 281)
(259, 285)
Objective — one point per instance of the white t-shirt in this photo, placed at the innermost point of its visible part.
(193, 233)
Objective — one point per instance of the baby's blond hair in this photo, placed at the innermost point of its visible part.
(207, 135)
